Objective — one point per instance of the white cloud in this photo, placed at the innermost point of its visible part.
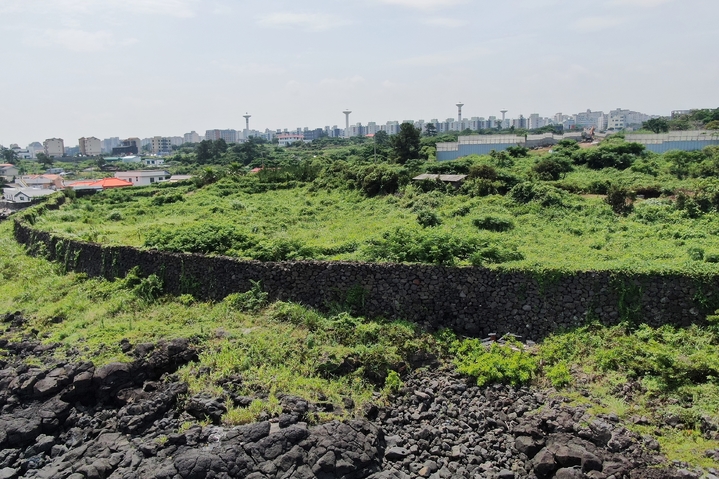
(597, 23)
(444, 22)
(174, 8)
(424, 4)
(78, 40)
(312, 22)
(447, 58)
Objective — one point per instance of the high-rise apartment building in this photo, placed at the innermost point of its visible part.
(90, 146)
(191, 137)
(160, 145)
(54, 147)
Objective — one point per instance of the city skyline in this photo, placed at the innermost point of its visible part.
(158, 67)
(584, 119)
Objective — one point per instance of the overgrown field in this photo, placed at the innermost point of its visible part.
(667, 376)
(612, 207)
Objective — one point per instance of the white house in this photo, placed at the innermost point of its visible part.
(8, 171)
(144, 178)
(24, 195)
(153, 161)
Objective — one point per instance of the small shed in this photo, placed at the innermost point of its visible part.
(454, 180)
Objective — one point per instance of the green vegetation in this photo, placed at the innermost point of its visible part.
(253, 347)
(612, 207)
(274, 348)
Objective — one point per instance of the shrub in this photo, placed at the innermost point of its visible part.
(493, 223)
(201, 238)
(251, 301)
(393, 383)
(494, 254)
(559, 374)
(518, 151)
(281, 249)
(695, 253)
(485, 172)
(427, 218)
(160, 200)
(551, 169)
(528, 191)
(421, 246)
(616, 154)
(621, 199)
(496, 363)
(115, 216)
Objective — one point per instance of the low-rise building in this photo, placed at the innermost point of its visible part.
(153, 161)
(8, 171)
(103, 184)
(144, 177)
(25, 195)
(48, 181)
(286, 139)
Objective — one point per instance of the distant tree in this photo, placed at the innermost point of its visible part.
(101, 162)
(657, 125)
(712, 125)
(430, 129)
(381, 138)
(8, 155)
(204, 152)
(218, 148)
(406, 143)
(45, 160)
(621, 199)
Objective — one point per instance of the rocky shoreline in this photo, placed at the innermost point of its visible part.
(135, 420)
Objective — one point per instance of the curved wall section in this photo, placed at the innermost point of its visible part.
(470, 300)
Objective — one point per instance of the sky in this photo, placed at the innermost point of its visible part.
(140, 68)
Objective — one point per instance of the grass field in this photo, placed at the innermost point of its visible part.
(572, 233)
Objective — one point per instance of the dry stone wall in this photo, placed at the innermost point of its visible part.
(470, 300)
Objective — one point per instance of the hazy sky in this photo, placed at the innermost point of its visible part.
(73, 68)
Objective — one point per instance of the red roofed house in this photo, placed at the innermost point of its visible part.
(103, 184)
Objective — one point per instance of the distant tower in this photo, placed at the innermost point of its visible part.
(504, 113)
(347, 123)
(247, 122)
(459, 111)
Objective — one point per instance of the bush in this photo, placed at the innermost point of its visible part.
(249, 301)
(518, 151)
(115, 216)
(528, 191)
(615, 154)
(428, 218)
(621, 199)
(202, 238)
(485, 172)
(393, 383)
(551, 169)
(409, 245)
(559, 374)
(493, 223)
(496, 363)
(494, 254)
(281, 249)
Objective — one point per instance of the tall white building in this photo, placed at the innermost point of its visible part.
(160, 145)
(90, 146)
(191, 137)
(54, 147)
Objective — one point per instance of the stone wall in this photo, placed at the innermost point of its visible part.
(470, 300)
